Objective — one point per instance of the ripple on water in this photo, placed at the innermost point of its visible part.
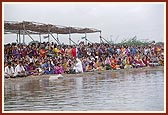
(123, 91)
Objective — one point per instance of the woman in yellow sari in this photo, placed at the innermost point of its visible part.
(97, 65)
(127, 63)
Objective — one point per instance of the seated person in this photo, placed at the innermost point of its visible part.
(58, 69)
(39, 68)
(89, 67)
(154, 61)
(140, 63)
(97, 65)
(43, 52)
(49, 68)
(9, 71)
(78, 66)
(31, 69)
(113, 63)
(127, 63)
(65, 67)
(20, 70)
(161, 61)
(119, 64)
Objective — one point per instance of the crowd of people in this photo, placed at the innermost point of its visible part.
(22, 60)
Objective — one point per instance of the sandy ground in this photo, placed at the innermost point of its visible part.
(85, 74)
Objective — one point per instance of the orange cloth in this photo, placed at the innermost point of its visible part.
(42, 52)
(113, 63)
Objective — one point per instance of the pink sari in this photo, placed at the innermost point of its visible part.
(58, 70)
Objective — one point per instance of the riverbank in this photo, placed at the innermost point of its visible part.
(85, 74)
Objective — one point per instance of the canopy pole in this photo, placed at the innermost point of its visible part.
(73, 42)
(56, 39)
(48, 37)
(49, 33)
(105, 40)
(29, 35)
(40, 37)
(23, 37)
(85, 39)
(27, 32)
(19, 37)
(69, 39)
(100, 38)
(69, 36)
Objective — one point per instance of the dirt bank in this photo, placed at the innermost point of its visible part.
(85, 74)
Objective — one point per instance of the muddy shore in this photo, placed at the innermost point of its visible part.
(85, 74)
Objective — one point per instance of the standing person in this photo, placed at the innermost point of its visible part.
(74, 52)
(20, 70)
(9, 71)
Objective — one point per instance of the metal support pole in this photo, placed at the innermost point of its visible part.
(40, 37)
(100, 38)
(56, 39)
(19, 37)
(69, 39)
(48, 37)
(111, 38)
(73, 42)
(105, 40)
(27, 32)
(85, 39)
(23, 37)
(69, 36)
(29, 35)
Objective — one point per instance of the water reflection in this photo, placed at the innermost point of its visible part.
(125, 90)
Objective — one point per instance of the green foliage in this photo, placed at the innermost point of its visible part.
(133, 42)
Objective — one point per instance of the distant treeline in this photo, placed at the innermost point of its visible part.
(129, 42)
(136, 42)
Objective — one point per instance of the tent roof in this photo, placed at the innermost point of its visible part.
(40, 28)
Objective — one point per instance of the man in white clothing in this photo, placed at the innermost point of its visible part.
(9, 71)
(78, 66)
(19, 70)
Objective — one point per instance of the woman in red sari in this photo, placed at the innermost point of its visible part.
(113, 63)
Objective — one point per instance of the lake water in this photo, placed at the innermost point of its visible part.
(117, 91)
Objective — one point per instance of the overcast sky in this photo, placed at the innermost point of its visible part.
(117, 21)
